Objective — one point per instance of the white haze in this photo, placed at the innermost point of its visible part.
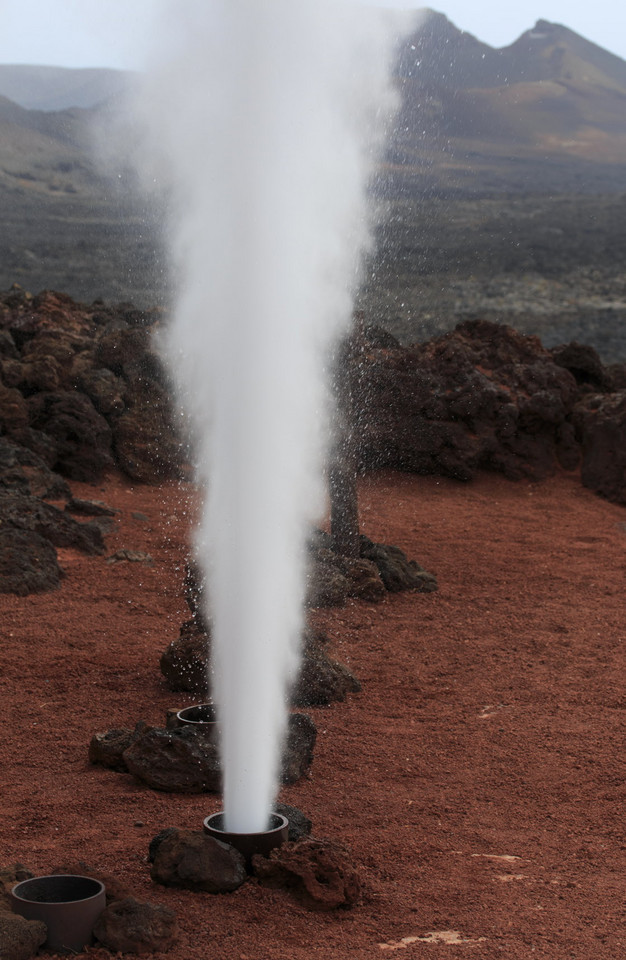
(264, 118)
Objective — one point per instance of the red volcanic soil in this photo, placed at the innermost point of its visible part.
(478, 779)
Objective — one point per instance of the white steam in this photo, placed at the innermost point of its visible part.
(265, 118)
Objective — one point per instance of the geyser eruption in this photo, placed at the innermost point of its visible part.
(267, 114)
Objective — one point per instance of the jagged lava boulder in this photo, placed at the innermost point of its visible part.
(482, 396)
(131, 926)
(192, 860)
(186, 759)
(186, 666)
(319, 873)
(601, 425)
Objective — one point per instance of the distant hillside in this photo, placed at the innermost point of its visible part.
(550, 109)
(57, 88)
(504, 189)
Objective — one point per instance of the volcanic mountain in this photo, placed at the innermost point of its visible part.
(37, 87)
(548, 110)
(545, 116)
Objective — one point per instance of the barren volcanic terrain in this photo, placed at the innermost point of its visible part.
(477, 779)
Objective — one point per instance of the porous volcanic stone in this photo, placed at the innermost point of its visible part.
(396, 571)
(299, 824)
(24, 512)
(195, 861)
(104, 389)
(322, 680)
(24, 471)
(89, 508)
(332, 578)
(9, 876)
(13, 408)
(123, 350)
(185, 664)
(481, 396)
(107, 749)
(157, 840)
(133, 926)
(585, 365)
(177, 761)
(145, 445)
(327, 586)
(28, 562)
(186, 759)
(185, 661)
(601, 423)
(82, 435)
(298, 753)
(20, 939)
(319, 873)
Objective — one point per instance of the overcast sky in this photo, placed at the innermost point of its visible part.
(97, 33)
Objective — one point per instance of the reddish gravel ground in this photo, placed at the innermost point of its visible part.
(478, 779)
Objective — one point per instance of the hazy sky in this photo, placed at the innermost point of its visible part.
(82, 33)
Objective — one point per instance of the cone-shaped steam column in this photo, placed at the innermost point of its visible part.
(268, 119)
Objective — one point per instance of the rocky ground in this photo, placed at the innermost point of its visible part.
(456, 744)
(476, 780)
(547, 265)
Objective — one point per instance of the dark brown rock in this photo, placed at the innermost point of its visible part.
(89, 508)
(145, 445)
(195, 861)
(333, 577)
(28, 562)
(327, 585)
(299, 824)
(185, 664)
(38, 373)
(185, 661)
(59, 344)
(319, 873)
(7, 346)
(396, 571)
(300, 744)
(13, 874)
(364, 580)
(131, 926)
(186, 760)
(585, 365)
(20, 938)
(124, 350)
(482, 396)
(177, 761)
(13, 408)
(82, 435)
(104, 389)
(107, 749)
(25, 472)
(617, 374)
(157, 840)
(321, 680)
(24, 512)
(41, 444)
(601, 425)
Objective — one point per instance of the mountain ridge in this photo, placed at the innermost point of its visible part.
(505, 161)
(48, 88)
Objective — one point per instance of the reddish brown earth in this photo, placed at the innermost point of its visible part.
(478, 779)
